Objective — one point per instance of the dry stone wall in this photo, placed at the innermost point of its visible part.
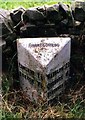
(55, 20)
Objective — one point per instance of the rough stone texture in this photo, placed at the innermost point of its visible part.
(33, 22)
(79, 14)
(34, 15)
(16, 16)
(38, 31)
(63, 9)
(79, 11)
(4, 13)
(36, 19)
(44, 66)
(52, 14)
(4, 18)
(59, 14)
(58, 20)
(8, 45)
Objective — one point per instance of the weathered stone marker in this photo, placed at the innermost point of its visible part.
(43, 67)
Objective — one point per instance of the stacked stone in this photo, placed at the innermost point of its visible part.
(43, 21)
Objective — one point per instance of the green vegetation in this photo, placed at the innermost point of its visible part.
(7, 4)
(16, 105)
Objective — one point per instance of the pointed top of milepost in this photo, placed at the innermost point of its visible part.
(44, 49)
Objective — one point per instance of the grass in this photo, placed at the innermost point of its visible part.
(7, 4)
(17, 106)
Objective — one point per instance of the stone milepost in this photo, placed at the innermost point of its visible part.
(44, 67)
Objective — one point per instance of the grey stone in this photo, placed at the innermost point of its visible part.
(79, 14)
(10, 39)
(77, 23)
(4, 14)
(16, 15)
(16, 18)
(33, 15)
(65, 21)
(43, 65)
(52, 13)
(63, 10)
(5, 23)
(30, 30)
(79, 11)
(2, 43)
(64, 7)
(70, 22)
(62, 27)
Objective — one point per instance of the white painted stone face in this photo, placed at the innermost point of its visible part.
(43, 66)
